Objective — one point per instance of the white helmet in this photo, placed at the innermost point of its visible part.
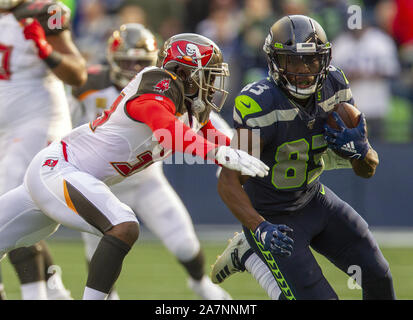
(129, 50)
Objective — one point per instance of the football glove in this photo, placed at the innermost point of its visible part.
(274, 239)
(349, 142)
(33, 30)
(241, 161)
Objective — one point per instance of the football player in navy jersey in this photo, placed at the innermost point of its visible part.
(290, 210)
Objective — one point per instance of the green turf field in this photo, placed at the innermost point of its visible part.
(151, 272)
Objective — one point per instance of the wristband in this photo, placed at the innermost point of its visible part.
(54, 59)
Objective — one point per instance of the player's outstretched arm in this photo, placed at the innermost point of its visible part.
(273, 237)
(231, 192)
(58, 51)
(160, 117)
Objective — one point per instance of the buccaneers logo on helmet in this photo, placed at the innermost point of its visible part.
(163, 85)
(189, 53)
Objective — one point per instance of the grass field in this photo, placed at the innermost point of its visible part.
(150, 272)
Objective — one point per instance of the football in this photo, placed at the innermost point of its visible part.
(347, 112)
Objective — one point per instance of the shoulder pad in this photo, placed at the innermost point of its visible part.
(162, 82)
(98, 79)
(54, 17)
(154, 77)
(337, 75)
(255, 98)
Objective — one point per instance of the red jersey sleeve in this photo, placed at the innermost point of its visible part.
(215, 136)
(158, 112)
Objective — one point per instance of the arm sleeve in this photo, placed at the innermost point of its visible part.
(158, 112)
(333, 161)
(215, 136)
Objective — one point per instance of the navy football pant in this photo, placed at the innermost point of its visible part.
(334, 229)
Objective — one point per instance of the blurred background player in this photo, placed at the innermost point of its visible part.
(148, 193)
(37, 56)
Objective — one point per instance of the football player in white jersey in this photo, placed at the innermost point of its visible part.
(158, 113)
(36, 56)
(144, 191)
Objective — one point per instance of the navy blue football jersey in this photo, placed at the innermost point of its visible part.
(293, 140)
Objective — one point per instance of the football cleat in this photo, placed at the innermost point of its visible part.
(207, 290)
(56, 290)
(230, 261)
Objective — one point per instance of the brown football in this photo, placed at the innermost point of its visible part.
(347, 112)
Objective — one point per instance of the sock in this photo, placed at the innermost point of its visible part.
(195, 267)
(34, 291)
(263, 275)
(92, 294)
(113, 295)
(28, 263)
(105, 266)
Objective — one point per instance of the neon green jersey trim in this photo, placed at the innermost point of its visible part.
(246, 105)
(275, 270)
(344, 76)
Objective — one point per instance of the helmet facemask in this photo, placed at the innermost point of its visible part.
(199, 63)
(302, 74)
(209, 84)
(298, 54)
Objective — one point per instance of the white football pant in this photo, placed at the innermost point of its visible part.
(34, 210)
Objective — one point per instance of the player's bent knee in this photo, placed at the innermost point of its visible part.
(128, 232)
(184, 248)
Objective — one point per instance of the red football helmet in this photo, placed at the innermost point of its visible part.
(204, 68)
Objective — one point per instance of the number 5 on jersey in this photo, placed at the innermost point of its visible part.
(106, 114)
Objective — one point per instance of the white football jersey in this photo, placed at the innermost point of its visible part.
(19, 61)
(18, 56)
(115, 146)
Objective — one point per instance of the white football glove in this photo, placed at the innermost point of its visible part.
(241, 161)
